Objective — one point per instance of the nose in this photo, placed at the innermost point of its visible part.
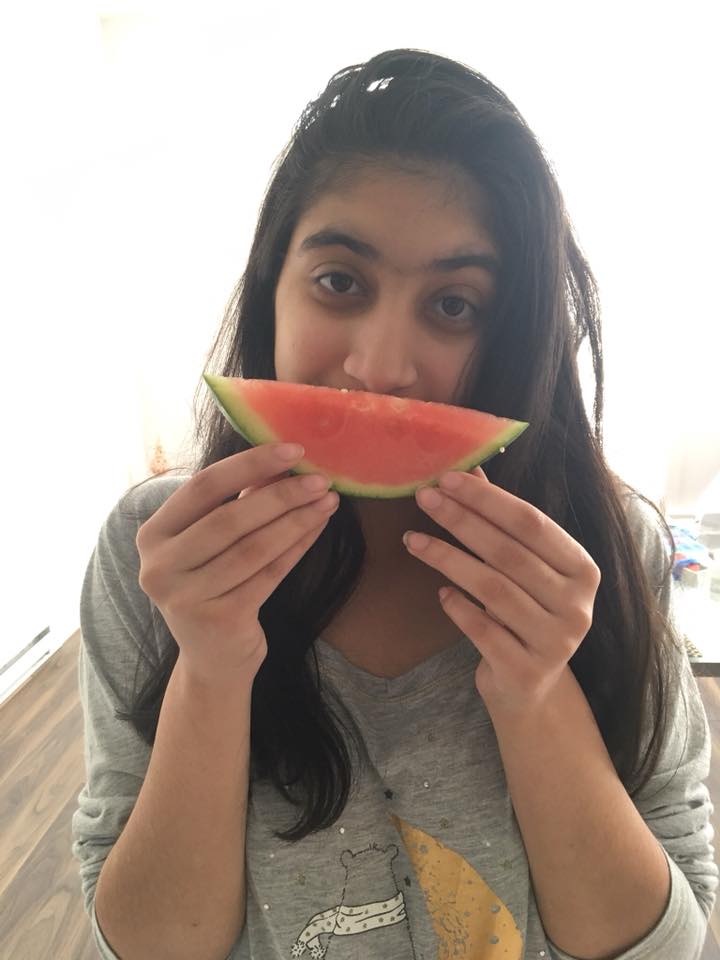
(381, 355)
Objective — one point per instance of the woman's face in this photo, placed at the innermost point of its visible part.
(371, 310)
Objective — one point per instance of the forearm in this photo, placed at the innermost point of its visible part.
(173, 885)
(601, 879)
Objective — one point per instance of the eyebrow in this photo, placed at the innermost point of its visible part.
(331, 237)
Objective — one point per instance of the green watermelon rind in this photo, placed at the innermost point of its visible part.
(255, 432)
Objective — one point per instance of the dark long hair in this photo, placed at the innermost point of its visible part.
(433, 110)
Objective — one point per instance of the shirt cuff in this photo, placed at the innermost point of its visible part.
(104, 948)
(680, 931)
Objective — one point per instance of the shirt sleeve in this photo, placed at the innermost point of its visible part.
(116, 619)
(675, 803)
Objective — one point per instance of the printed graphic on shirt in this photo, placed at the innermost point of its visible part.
(371, 905)
(468, 918)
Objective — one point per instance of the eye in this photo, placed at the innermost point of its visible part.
(334, 274)
(455, 306)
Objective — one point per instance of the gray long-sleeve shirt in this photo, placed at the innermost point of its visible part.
(427, 860)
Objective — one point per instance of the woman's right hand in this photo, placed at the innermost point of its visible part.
(209, 566)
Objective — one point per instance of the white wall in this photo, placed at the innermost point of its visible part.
(139, 149)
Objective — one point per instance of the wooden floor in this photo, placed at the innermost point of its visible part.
(41, 774)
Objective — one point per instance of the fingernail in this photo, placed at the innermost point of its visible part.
(415, 541)
(315, 482)
(450, 481)
(428, 497)
(289, 451)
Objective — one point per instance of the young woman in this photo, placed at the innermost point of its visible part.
(295, 746)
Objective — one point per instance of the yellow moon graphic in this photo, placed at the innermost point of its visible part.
(468, 918)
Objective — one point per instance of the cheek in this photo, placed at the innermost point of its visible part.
(458, 370)
(291, 330)
(302, 343)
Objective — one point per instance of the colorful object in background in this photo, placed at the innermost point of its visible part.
(369, 444)
(159, 463)
(708, 532)
(690, 556)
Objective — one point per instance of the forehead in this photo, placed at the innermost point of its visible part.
(432, 211)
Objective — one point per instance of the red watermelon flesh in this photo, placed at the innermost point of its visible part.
(368, 444)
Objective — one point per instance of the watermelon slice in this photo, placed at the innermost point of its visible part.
(368, 444)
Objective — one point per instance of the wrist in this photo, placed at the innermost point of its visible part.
(204, 681)
(541, 709)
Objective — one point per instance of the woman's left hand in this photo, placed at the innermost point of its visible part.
(536, 582)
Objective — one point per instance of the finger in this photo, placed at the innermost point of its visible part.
(520, 520)
(501, 552)
(234, 522)
(503, 599)
(264, 483)
(496, 643)
(211, 487)
(250, 555)
(505, 665)
(258, 588)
